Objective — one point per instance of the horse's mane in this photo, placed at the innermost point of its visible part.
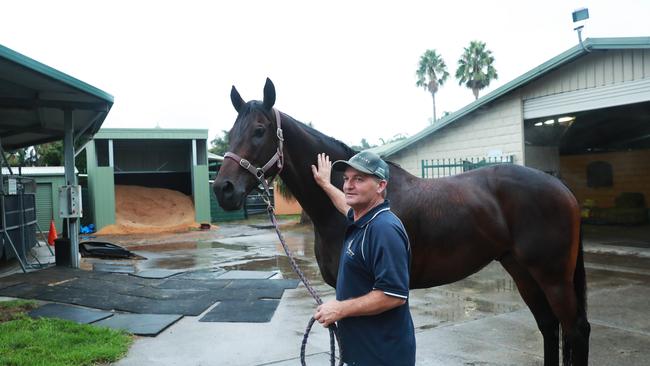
(327, 139)
(258, 106)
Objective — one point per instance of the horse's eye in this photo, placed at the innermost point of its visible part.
(258, 132)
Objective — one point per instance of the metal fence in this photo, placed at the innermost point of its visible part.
(437, 168)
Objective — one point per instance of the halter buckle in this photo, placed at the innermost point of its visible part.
(280, 134)
(245, 163)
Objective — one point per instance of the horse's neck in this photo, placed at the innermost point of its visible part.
(301, 148)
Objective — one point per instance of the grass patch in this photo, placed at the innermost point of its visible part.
(54, 342)
(295, 217)
(13, 309)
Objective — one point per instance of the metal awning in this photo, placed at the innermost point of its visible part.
(39, 104)
(33, 98)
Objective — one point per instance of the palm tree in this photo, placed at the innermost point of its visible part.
(431, 74)
(475, 68)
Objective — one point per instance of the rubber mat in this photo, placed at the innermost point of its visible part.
(184, 293)
(141, 324)
(157, 273)
(249, 311)
(69, 312)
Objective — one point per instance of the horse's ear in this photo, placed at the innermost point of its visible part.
(269, 94)
(236, 99)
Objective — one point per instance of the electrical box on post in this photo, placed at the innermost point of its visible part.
(70, 202)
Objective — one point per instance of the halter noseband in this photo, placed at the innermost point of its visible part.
(277, 158)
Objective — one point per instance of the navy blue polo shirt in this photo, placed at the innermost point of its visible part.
(376, 256)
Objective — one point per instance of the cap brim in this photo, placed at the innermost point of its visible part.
(341, 165)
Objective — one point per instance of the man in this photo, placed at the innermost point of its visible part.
(372, 285)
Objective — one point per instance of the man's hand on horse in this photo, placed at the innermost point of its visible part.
(329, 313)
(322, 172)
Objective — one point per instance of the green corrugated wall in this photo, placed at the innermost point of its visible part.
(48, 207)
(101, 188)
(201, 189)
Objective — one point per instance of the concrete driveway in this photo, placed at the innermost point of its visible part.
(480, 320)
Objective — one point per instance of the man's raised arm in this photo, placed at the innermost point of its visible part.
(322, 175)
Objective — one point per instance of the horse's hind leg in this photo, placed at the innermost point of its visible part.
(534, 297)
(561, 296)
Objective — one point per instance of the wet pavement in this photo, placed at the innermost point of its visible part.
(480, 320)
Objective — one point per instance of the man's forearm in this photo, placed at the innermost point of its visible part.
(373, 303)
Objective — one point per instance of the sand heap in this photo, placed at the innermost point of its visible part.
(150, 210)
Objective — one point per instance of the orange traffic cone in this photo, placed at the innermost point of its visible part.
(52, 234)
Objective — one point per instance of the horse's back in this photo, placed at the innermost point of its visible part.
(479, 216)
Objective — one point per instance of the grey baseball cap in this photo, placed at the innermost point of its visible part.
(365, 162)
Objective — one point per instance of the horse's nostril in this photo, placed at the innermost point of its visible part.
(227, 187)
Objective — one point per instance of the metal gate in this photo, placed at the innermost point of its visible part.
(437, 168)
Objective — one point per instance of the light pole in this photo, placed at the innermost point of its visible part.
(580, 15)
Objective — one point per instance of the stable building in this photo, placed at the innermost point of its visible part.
(40, 104)
(175, 159)
(583, 116)
(49, 180)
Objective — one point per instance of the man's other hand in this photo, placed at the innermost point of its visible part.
(329, 312)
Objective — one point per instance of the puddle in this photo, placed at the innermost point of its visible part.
(163, 247)
(217, 244)
(280, 264)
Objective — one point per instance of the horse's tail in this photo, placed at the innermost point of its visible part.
(582, 326)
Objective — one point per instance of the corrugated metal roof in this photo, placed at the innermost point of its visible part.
(55, 74)
(151, 133)
(33, 96)
(534, 74)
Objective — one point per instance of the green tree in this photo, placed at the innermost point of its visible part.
(20, 157)
(220, 143)
(396, 137)
(475, 68)
(50, 154)
(432, 74)
(363, 145)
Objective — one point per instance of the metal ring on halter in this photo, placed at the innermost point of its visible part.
(259, 174)
(280, 134)
(245, 163)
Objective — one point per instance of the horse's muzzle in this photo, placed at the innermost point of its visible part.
(230, 198)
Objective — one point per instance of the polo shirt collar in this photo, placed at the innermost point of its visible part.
(365, 219)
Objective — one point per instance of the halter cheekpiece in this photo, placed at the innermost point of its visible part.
(276, 159)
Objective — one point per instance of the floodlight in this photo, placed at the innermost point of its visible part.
(580, 14)
(565, 119)
(549, 121)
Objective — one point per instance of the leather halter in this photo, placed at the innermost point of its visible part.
(276, 159)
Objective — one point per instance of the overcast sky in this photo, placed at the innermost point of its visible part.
(346, 66)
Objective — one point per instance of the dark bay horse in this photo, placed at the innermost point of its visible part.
(521, 217)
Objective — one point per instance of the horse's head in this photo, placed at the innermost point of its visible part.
(254, 139)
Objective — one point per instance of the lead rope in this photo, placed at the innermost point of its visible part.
(259, 173)
(333, 329)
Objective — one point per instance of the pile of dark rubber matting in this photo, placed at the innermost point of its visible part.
(123, 294)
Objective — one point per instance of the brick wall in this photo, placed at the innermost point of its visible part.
(630, 171)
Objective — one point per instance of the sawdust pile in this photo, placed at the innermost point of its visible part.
(142, 210)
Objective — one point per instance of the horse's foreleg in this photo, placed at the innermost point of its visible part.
(534, 297)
